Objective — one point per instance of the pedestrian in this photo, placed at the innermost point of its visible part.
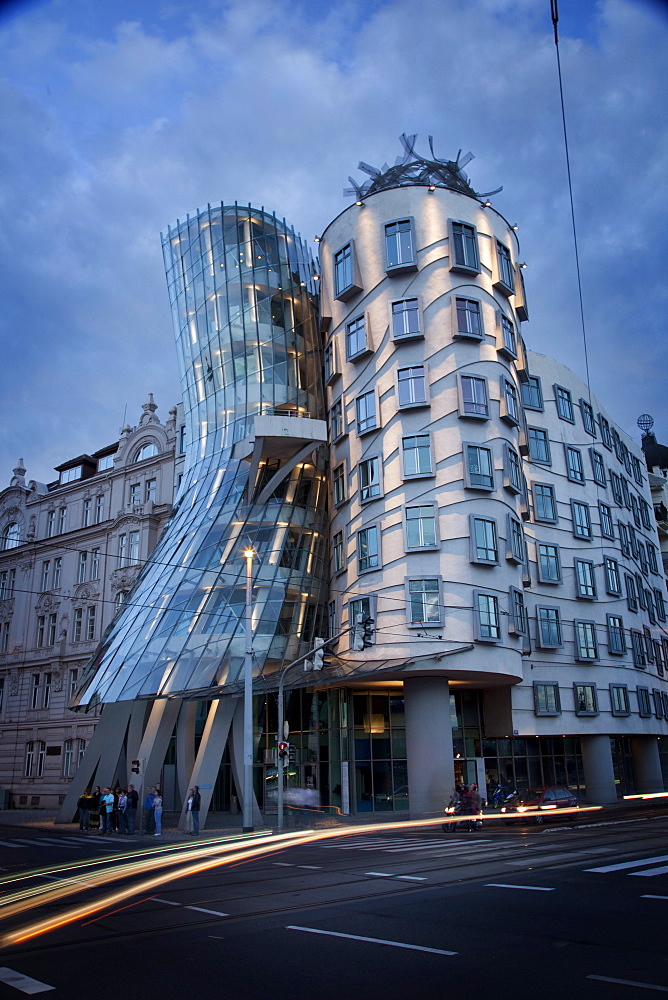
(157, 812)
(106, 808)
(149, 824)
(189, 811)
(197, 802)
(121, 808)
(114, 811)
(84, 806)
(131, 808)
(95, 808)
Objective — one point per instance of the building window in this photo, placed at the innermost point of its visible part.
(515, 548)
(474, 400)
(510, 410)
(338, 553)
(51, 635)
(464, 252)
(11, 536)
(607, 524)
(549, 565)
(339, 484)
(645, 514)
(336, 420)
(616, 638)
(416, 452)
(508, 337)
(424, 602)
(87, 515)
(7, 581)
(631, 595)
(4, 637)
(57, 569)
(149, 491)
(62, 520)
(517, 612)
(34, 691)
(506, 278)
(546, 699)
(46, 567)
(148, 450)
(574, 466)
(616, 487)
(586, 702)
(588, 421)
(51, 524)
(544, 503)
(420, 527)
(343, 270)
(605, 432)
(640, 590)
(405, 319)
(562, 398)
(95, 564)
(479, 471)
(134, 548)
(41, 631)
(539, 445)
(623, 538)
(83, 558)
(484, 542)
(369, 479)
(649, 645)
(532, 393)
(74, 680)
(513, 478)
(30, 759)
(46, 691)
(487, 619)
(585, 580)
(121, 599)
(660, 605)
(644, 704)
(612, 581)
(365, 406)
(581, 520)
(633, 503)
(2, 691)
(105, 462)
(78, 624)
(90, 623)
(361, 610)
(549, 627)
(67, 758)
(122, 551)
(598, 467)
(356, 338)
(330, 362)
(367, 549)
(399, 246)
(411, 385)
(332, 628)
(469, 319)
(99, 509)
(638, 649)
(658, 703)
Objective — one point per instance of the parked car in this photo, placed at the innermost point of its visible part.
(541, 800)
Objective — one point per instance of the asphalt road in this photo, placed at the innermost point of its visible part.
(557, 911)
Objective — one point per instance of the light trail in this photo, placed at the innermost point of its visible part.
(195, 861)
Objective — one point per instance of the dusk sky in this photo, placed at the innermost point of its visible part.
(120, 117)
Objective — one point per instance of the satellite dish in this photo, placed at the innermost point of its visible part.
(645, 422)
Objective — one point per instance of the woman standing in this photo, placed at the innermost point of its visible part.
(157, 812)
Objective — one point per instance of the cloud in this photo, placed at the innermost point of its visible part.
(121, 118)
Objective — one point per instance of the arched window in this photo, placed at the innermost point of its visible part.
(11, 536)
(148, 450)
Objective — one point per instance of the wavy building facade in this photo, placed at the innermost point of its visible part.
(487, 552)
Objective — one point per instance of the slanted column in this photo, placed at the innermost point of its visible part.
(599, 773)
(647, 775)
(431, 773)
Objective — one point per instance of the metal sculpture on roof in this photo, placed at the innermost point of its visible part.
(411, 168)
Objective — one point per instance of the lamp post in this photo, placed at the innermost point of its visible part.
(248, 700)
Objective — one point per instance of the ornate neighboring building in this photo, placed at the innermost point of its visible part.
(70, 552)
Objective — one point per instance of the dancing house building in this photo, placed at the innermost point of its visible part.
(469, 523)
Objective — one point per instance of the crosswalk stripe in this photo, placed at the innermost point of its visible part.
(23, 983)
(652, 871)
(628, 864)
(6, 843)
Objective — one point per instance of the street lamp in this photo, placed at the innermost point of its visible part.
(248, 699)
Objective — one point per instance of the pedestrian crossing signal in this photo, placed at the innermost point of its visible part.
(136, 769)
(283, 749)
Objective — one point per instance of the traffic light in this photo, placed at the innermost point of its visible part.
(136, 768)
(283, 750)
(363, 633)
(367, 632)
(320, 656)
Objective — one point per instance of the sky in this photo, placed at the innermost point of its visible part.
(119, 117)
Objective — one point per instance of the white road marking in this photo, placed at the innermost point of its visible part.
(628, 864)
(630, 982)
(201, 909)
(314, 867)
(371, 940)
(23, 983)
(505, 885)
(413, 878)
(649, 896)
(5, 843)
(167, 902)
(282, 864)
(381, 874)
(652, 871)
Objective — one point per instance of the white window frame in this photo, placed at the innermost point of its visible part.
(415, 595)
(552, 622)
(582, 585)
(363, 424)
(585, 640)
(373, 488)
(428, 515)
(486, 487)
(395, 246)
(418, 449)
(366, 564)
(486, 605)
(477, 385)
(556, 555)
(415, 380)
(401, 317)
(469, 312)
(549, 690)
(488, 526)
(463, 236)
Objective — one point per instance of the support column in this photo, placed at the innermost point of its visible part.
(431, 773)
(599, 773)
(647, 776)
(204, 770)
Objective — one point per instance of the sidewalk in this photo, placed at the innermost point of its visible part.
(220, 824)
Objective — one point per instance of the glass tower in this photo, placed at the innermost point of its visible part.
(244, 307)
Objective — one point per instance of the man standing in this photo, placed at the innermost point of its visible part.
(106, 808)
(149, 822)
(131, 808)
(197, 802)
